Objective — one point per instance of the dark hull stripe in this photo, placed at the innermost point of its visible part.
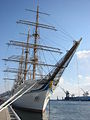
(28, 109)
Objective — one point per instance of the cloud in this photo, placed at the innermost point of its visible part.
(83, 54)
(84, 80)
(80, 77)
(87, 78)
(61, 80)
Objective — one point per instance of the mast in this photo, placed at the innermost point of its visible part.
(21, 66)
(26, 56)
(27, 45)
(35, 43)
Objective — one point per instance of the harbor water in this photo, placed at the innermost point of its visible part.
(60, 110)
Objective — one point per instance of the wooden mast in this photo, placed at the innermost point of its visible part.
(35, 43)
(21, 66)
(26, 56)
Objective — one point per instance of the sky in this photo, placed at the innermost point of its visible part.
(73, 16)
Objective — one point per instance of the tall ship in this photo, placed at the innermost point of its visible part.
(32, 86)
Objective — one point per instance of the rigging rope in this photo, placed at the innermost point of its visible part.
(77, 76)
(61, 29)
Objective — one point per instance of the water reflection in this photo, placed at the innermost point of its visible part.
(26, 115)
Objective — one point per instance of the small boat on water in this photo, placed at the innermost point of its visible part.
(33, 92)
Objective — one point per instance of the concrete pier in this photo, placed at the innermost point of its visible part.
(4, 115)
(8, 113)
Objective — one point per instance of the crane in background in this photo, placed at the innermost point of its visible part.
(85, 93)
(67, 93)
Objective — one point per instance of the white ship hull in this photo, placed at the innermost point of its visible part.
(34, 101)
